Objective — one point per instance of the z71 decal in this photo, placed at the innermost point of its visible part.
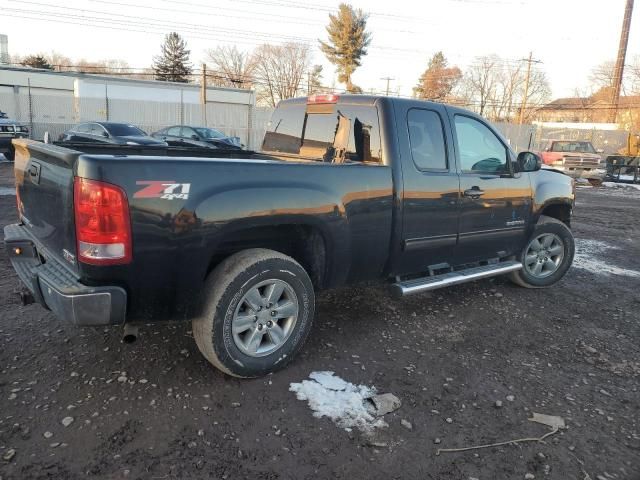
(165, 189)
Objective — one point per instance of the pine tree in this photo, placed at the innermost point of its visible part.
(438, 80)
(173, 64)
(36, 61)
(348, 42)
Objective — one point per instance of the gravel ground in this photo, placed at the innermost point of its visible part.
(470, 365)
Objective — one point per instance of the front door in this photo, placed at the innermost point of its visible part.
(431, 191)
(495, 204)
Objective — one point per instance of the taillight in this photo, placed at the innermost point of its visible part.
(103, 228)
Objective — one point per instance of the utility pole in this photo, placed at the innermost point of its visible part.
(203, 94)
(529, 61)
(619, 68)
(388, 79)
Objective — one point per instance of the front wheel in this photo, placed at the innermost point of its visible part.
(257, 314)
(547, 256)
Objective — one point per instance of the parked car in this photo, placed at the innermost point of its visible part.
(10, 129)
(347, 189)
(109, 132)
(577, 158)
(179, 135)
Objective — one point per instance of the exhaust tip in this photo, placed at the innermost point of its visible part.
(130, 334)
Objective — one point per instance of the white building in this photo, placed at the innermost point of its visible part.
(53, 101)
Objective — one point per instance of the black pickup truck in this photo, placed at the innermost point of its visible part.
(346, 189)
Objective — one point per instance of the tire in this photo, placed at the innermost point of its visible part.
(10, 154)
(560, 252)
(231, 305)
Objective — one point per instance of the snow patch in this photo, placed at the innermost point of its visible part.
(622, 187)
(586, 258)
(346, 404)
(7, 191)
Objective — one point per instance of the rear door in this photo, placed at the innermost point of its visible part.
(495, 205)
(430, 202)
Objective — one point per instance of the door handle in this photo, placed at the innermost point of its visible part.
(473, 193)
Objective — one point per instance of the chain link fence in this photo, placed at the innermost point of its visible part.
(535, 137)
(55, 113)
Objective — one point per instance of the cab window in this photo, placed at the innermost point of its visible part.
(480, 150)
(426, 137)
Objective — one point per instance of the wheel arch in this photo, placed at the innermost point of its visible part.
(558, 210)
(306, 243)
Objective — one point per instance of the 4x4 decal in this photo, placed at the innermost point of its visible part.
(165, 189)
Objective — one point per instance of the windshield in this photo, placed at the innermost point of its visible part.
(124, 130)
(582, 147)
(209, 133)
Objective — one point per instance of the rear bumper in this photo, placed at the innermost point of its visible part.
(56, 288)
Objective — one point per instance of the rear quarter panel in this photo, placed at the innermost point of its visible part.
(175, 238)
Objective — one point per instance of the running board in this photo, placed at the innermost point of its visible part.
(424, 284)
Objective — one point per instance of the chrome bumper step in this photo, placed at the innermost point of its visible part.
(424, 284)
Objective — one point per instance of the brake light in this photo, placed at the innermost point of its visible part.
(322, 98)
(103, 228)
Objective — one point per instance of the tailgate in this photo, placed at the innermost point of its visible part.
(44, 186)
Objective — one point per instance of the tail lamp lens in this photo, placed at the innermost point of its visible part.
(103, 227)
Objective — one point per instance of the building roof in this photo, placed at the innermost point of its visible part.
(573, 103)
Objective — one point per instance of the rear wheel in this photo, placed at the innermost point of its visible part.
(547, 256)
(11, 153)
(257, 314)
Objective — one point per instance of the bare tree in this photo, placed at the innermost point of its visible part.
(102, 67)
(279, 71)
(495, 88)
(634, 75)
(230, 67)
(602, 75)
(481, 82)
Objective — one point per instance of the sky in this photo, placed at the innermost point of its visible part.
(570, 37)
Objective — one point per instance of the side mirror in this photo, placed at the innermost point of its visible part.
(529, 162)
(600, 150)
(105, 134)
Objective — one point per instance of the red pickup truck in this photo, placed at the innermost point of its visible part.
(576, 158)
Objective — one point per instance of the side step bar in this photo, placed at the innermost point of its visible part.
(424, 284)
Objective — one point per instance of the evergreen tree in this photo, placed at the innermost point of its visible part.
(173, 65)
(438, 80)
(36, 61)
(348, 42)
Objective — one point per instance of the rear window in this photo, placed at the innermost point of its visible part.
(350, 132)
(123, 130)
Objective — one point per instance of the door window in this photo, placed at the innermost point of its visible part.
(174, 131)
(480, 150)
(97, 130)
(188, 132)
(83, 128)
(426, 138)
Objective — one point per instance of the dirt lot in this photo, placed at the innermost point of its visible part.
(572, 351)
